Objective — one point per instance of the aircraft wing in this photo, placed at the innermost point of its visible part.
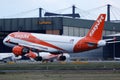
(34, 47)
(112, 40)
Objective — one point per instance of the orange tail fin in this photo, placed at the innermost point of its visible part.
(97, 28)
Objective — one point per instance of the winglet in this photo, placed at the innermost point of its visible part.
(97, 28)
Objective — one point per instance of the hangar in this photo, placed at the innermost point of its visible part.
(62, 26)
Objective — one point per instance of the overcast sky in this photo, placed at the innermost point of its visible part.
(19, 8)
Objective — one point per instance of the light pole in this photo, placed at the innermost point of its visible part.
(114, 45)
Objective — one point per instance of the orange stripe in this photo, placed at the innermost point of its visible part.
(31, 38)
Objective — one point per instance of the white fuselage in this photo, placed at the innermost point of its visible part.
(44, 42)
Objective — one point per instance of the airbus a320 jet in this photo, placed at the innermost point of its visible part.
(32, 44)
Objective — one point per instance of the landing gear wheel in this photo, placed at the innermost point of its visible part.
(38, 58)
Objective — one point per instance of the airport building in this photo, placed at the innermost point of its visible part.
(62, 26)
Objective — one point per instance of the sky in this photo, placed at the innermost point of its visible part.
(29, 8)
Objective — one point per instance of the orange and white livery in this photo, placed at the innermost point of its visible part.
(25, 43)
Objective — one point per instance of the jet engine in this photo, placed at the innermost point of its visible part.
(35, 56)
(38, 58)
(63, 57)
(44, 56)
(19, 50)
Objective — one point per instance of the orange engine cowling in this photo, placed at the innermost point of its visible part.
(32, 55)
(19, 50)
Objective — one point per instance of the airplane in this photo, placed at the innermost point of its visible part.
(47, 56)
(6, 57)
(31, 44)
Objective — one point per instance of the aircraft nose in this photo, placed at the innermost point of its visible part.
(5, 40)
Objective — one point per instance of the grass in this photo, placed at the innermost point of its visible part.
(61, 71)
(63, 75)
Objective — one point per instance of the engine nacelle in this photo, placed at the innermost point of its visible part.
(19, 50)
(34, 56)
(38, 58)
(45, 56)
(31, 55)
(63, 57)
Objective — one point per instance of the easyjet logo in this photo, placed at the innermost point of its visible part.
(22, 36)
(96, 25)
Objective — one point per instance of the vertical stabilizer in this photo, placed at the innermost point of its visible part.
(97, 28)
